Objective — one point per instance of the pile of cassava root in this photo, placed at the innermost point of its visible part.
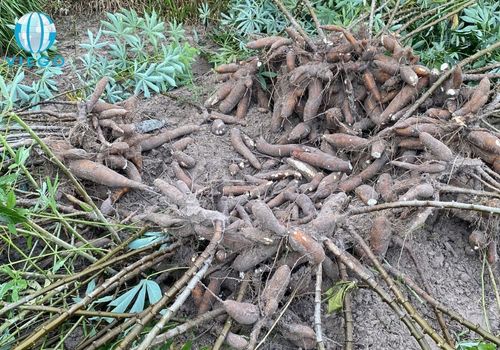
(363, 134)
(360, 127)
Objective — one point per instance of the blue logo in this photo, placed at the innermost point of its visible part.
(35, 32)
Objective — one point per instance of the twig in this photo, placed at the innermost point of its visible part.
(90, 313)
(424, 14)
(317, 308)
(454, 315)
(35, 229)
(401, 299)
(391, 18)
(34, 127)
(418, 203)
(229, 320)
(440, 19)
(483, 296)
(492, 173)
(295, 24)
(111, 283)
(490, 66)
(357, 268)
(183, 328)
(493, 182)
(478, 178)
(454, 189)
(410, 13)
(494, 283)
(156, 308)
(65, 170)
(58, 115)
(102, 338)
(62, 283)
(315, 20)
(370, 21)
(476, 77)
(14, 145)
(347, 308)
(364, 15)
(171, 310)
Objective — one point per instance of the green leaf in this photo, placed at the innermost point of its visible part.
(269, 74)
(154, 291)
(336, 295)
(139, 301)
(188, 345)
(150, 237)
(11, 200)
(59, 264)
(122, 302)
(90, 287)
(8, 179)
(11, 216)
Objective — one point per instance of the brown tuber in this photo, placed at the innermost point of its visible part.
(100, 174)
(323, 160)
(380, 235)
(367, 194)
(275, 290)
(485, 140)
(436, 147)
(305, 244)
(422, 191)
(243, 313)
(478, 99)
(241, 148)
(477, 240)
(300, 335)
(347, 142)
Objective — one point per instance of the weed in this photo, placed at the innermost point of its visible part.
(139, 60)
(449, 41)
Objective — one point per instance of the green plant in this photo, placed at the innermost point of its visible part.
(475, 345)
(10, 10)
(139, 59)
(341, 13)
(449, 41)
(10, 290)
(204, 12)
(14, 94)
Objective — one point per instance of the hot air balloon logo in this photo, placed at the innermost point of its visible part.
(35, 32)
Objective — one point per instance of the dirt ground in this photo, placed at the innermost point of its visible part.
(452, 273)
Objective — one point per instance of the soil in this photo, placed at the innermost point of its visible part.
(453, 275)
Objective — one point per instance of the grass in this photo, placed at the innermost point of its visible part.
(187, 11)
(10, 10)
(182, 11)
